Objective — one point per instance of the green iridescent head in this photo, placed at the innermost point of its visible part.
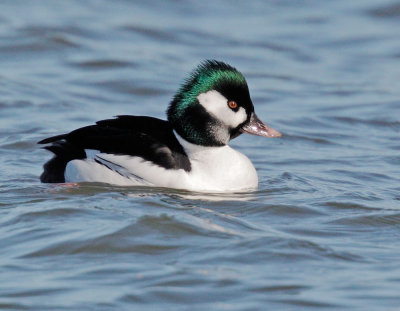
(197, 111)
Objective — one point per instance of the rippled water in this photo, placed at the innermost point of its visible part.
(322, 231)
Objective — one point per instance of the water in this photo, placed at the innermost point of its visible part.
(322, 231)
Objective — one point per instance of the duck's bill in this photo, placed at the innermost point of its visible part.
(258, 127)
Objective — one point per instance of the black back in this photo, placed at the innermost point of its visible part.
(146, 137)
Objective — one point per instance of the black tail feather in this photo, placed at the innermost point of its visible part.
(52, 139)
(64, 152)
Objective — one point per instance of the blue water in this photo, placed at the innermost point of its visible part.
(322, 231)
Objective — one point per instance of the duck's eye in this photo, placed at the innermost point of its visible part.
(232, 104)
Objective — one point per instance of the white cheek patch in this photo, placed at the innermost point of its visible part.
(217, 105)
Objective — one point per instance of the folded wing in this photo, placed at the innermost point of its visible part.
(147, 138)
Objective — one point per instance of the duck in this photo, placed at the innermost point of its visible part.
(188, 151)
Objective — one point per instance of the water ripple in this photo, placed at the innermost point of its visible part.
(391, 10)
(102, 64)
(376, 220)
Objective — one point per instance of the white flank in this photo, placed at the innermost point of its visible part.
(213, 169)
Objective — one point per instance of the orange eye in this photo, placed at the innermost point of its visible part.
(232, 104)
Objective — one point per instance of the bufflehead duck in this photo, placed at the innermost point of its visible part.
(189, 151)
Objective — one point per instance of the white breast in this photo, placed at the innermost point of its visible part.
(219, 168)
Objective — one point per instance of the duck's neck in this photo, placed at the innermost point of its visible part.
(192, 149)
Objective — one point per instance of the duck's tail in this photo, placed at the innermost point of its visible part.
(54, 169)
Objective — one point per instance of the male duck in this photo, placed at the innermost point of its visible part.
(189, 151)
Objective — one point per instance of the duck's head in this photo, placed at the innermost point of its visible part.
(214, 106)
